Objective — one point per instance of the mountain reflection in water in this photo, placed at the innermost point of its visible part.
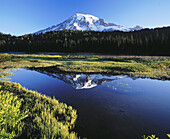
(108, 107)
(83, 81)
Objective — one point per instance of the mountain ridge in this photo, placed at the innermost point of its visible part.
(85, 22)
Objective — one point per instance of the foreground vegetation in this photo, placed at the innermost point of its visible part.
(10, 116)
(28, 114)
(154, 137)
(140, 67)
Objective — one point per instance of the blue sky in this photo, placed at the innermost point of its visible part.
(18, 17)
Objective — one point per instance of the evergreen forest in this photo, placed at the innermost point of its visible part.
(144, 42)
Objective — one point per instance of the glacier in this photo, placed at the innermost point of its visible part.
(85, 22)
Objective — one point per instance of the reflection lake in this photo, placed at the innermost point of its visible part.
(108, 106)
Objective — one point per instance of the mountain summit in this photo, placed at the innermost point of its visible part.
(87, 22)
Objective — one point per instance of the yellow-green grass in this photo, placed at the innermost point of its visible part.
(150, 137)
(159, 68)
(34, 115)
(10, 115)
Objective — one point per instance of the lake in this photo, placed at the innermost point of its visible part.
(108, 106)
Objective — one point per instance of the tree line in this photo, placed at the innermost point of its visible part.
(144, 42)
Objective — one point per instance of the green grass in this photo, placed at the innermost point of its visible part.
(141, 67)
(10, 115)
(4, 74)
(150, 137)
(38, 116)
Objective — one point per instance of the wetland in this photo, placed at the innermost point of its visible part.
(114, 97)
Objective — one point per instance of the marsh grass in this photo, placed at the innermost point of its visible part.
(133, 66)
(2, 75)
(47, 118)
(150, 137)
(11, 116)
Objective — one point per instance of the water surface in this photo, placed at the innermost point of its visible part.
(108, 106)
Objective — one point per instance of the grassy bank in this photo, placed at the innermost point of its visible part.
(158, 67)
(28, 114)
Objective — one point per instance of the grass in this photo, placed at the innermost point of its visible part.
(154, 136)
(141, 67)
(29, 114)
(39, 116)
(10, 115)
(150, 137)
(4, 74)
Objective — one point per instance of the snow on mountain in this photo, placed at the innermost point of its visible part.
(136, 28)
(87, 22)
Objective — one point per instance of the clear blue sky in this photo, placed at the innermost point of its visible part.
(18, 17)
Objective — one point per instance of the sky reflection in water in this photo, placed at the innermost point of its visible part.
(108, 106)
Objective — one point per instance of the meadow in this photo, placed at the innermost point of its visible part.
(38, 116)
(158, 68)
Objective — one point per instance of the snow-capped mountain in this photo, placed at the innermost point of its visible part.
(87, 22)
(136, 28)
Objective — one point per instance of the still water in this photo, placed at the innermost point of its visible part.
(109, 106)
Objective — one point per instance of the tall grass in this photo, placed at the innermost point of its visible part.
(11, 116)
(47, 117)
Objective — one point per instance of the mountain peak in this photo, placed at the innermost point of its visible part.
(83, 22)
(137, 27)
(80, 15)
(85, 18)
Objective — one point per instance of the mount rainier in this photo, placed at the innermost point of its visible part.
(87, 22)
